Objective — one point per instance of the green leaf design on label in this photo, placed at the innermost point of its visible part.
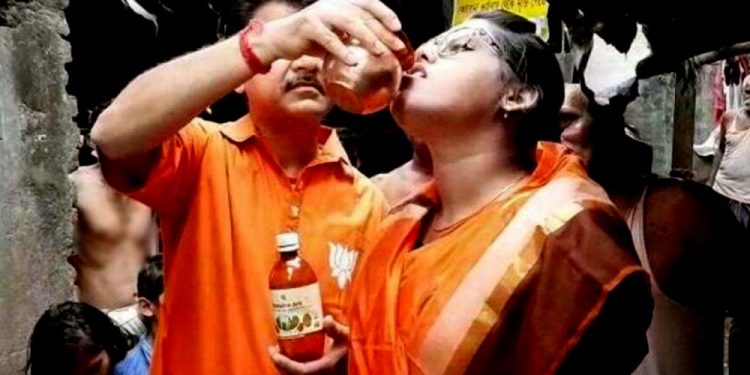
(297, 311)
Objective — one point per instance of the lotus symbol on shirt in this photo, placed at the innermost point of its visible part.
(342, 261)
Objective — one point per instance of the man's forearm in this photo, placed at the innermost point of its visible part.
(161, 101)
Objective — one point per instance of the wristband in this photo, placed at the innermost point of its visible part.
(254, 27)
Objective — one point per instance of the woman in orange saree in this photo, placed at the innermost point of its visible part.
(511, 261)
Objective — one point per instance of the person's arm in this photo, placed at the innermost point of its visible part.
(164, 99)
(720, 150)
(161, 101)
(700, 259)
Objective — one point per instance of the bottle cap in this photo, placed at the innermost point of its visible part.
(287, 242)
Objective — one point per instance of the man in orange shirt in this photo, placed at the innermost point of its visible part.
(224, 192)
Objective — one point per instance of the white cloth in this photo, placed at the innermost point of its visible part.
(709, 146)
(733, 177)
(127, 319)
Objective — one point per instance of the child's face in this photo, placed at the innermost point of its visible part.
(91, 363)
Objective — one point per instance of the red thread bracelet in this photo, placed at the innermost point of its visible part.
(254, 27)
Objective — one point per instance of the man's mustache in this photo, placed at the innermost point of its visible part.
(304, 80)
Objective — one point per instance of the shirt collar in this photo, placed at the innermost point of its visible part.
(330, 149)
(146, 349)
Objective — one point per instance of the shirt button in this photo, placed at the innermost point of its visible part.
(294, 211)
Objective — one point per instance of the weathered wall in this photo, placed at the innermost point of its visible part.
(652, 113)
(704, 118)
(37, 150)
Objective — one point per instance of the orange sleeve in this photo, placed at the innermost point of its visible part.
(171, 172)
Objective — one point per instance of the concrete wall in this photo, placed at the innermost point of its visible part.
(37, 149)
(704, 118)
(652, 113)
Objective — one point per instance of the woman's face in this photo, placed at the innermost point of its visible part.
(457, 80)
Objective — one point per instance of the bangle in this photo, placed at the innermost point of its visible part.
(255, 27)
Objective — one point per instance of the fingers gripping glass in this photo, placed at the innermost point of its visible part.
(463, 39)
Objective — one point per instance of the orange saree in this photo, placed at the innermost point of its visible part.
(522, 287)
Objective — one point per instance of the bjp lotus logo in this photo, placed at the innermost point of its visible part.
(342, 262)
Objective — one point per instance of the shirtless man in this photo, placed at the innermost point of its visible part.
(731, 172)
(685, 237)
(114, 237)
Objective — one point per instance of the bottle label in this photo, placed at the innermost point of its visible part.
(298, 311)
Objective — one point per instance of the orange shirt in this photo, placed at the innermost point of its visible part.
(222, 199)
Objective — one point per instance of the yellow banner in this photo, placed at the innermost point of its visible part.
(534, 10)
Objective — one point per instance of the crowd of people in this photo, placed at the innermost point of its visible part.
(526, 236)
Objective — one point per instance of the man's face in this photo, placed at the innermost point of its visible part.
(576, 122)
(292, 88)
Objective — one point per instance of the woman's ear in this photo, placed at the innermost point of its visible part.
(520, 99)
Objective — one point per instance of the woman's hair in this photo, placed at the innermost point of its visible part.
(67, 328)
(533, 65)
